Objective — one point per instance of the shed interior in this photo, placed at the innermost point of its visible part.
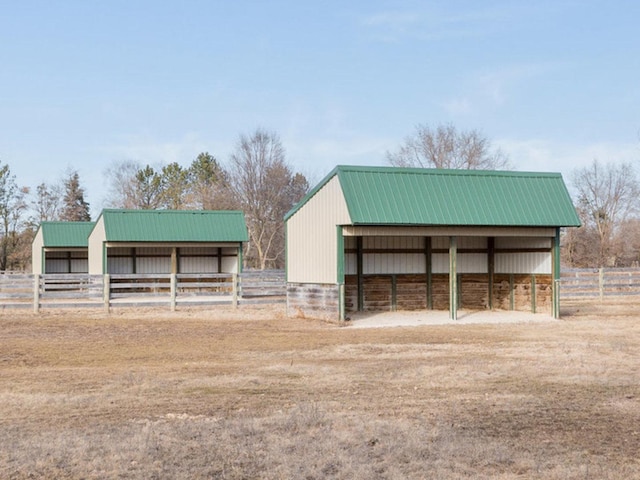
(386, 273)
(145, 259)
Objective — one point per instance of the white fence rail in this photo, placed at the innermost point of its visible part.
(137, 290)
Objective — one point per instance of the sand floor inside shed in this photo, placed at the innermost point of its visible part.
(441, 317)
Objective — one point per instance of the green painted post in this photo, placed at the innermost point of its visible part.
(340, 273)
(555, 294)
(533, 294)
(360, 269)
(453, 280)
(429, 268)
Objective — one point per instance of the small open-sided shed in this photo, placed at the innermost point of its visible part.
(386, 238)
(61, 247)
(167, 241)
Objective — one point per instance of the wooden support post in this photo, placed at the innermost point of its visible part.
(453, 278)
(174, 260)
(36, 293)
(555, 262)
(601, 283)
(533, 294)
(394, 293)
(174, 290)
(512, 292)
(491, 257)
(342, 313)
(429, 268)
(106, 291)
(234, 289)
(359, 272)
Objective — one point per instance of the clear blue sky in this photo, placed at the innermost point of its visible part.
(85, 83)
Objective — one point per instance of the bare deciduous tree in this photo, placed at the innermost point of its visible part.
(46, 203)
(447, 147)
(265, 188)
(123, 191)
(607, 195)
(13, 206)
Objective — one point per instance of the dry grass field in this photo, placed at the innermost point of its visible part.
(250, 394)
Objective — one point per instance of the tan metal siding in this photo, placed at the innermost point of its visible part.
(153, 265)
(449, 231)
(96, 239)
(198, 264)
(394, 263)
(523, 242)
(528, 262)
(120, 265)
(36, 252)
(312, 237)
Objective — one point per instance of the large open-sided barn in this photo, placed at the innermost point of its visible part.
(167, 241)
(61, 247)
(384, 238)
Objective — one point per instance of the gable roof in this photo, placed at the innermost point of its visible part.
(439, 197)
(65, 234)
(174, 225)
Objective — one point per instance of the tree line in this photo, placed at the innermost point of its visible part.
(258, 180)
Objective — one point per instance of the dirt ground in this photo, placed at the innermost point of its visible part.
(249, 393)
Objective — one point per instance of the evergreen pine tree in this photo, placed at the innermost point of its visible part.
(74, 206)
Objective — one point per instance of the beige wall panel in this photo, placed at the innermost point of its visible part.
(312, 237)
(472, 242)
(392, 242)
(153, 265)
(440, 263)
(36, 253)
(350, 264)
(229, 264)
(473, 263)
(450, 231)
(467, 263)
(96, 238)
(440, 243)
(119, 265)
(533, 262)
(198, 264)
(523, 242)
(375, 263)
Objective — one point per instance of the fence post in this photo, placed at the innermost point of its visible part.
(36, 293)
(601, 283)
(556, 299)
(174, 289)
(106, 291)
(234, 281)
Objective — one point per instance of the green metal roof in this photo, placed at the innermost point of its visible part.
(66, 234)
(417, 196)
(174, 226)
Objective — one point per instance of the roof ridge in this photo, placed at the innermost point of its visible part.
(442, 171)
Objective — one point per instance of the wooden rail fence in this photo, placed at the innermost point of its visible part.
(139, 290)
(106, 291)
(599, 282)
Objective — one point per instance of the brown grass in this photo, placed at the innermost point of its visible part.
(251, 394)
